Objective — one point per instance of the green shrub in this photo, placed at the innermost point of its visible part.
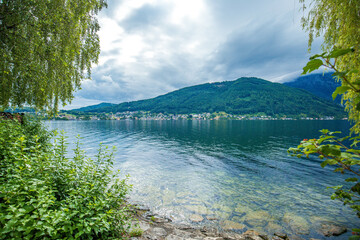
(45, 195)
(136, 232)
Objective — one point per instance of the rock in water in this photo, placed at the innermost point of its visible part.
(281, 235)
(230, 225)
(330, 229)
(196, 218)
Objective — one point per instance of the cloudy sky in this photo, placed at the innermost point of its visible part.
(151, 47)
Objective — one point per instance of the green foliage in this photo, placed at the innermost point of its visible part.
(331, 148)
(45, 195)
(136, 232)
(46, 49)
(341, 152)
(338, 21)
(243, 96)
(347, 88)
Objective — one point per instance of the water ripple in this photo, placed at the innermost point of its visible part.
(230, 170)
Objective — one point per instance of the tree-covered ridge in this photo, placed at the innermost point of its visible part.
(321, 85)
(242, 96)
(93, 107)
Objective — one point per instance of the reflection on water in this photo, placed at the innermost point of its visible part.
(225, 171)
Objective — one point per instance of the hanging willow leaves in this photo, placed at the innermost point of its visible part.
(46, 49)
(338, 21)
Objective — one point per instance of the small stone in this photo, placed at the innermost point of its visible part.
(276, 238)
(255, 235)
(159, 232)
(184, 227)
(183, 234)
(233, 236)
(294, 237)
(281, 235)
(173, 237)
(157, 219)
(330, 229)
(196, 218)
(211, 218)
(230, 225)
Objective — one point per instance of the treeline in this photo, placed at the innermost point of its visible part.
(243, 96)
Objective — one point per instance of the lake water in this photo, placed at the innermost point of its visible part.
(226, 171)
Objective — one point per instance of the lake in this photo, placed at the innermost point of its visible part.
(225, 171)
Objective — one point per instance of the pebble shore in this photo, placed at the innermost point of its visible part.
(155, 227)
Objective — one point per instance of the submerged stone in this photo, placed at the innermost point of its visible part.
(222, 208)
(273, 227)
(257, 218)
(230, 225)
(196, 218)
(254, 235)
(198, 209)
(281, 235)
(331, 229)
(297, 224)
(222, 215)
(242, 209)
(211, 218)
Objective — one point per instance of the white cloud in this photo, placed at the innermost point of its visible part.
(151, 47)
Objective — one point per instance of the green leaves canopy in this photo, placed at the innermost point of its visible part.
(338, 21)
(46, 49)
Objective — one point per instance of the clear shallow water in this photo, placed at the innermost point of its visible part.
(236, 171)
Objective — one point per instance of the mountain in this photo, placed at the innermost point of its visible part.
(242, 96)
(93, 107)
(321, 85)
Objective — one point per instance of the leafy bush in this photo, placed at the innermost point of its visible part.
(45, 195)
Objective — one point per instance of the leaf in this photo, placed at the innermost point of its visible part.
(353, 151)
(312, 65)
(351, 180)
(356, 188)
(339, 52)
(341, 170)
(339, 74)
(340, 90)
(329, 149)
(325, 138)
(328, 161)
(324, 131)
(317, 56)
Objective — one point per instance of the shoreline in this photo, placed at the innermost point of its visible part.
(155, 227)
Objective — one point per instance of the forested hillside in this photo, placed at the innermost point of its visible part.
(242, 96)
(321, 85)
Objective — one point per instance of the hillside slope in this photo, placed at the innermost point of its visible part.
(94, 107)
(242, 96)
(321, 85)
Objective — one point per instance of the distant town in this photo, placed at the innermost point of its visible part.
(142, 115)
